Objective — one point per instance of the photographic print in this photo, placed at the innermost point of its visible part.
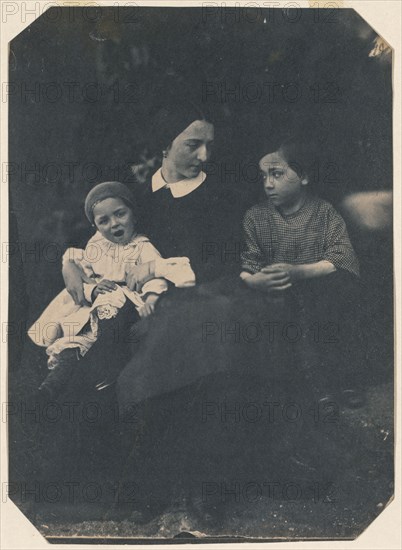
(201, 286)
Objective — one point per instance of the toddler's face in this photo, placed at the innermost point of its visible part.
(114, 220)
(282, 184)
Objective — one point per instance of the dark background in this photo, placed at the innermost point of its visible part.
(64, 140)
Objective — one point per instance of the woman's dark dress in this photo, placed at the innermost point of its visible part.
(203, 225)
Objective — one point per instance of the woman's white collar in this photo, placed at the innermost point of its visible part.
(178, 188)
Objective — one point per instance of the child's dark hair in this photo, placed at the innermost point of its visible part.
(301, 156)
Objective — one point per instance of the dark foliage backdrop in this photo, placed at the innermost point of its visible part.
(83, 83)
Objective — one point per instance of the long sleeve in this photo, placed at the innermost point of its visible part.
(252, 258)
(79, 257)
(176, 270)
(150, 253)
(337, 247)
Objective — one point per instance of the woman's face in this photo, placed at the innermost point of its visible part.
(189, 150)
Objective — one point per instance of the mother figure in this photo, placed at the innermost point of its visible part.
(190, 375)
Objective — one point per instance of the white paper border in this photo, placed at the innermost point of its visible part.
(385, 18)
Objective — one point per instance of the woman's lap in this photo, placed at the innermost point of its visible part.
(239, 334)
(204, 333)
(216, 418)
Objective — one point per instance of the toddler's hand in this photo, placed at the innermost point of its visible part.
(104, 286)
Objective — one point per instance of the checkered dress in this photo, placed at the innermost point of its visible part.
(313, 233)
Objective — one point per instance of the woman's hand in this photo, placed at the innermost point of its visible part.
(74, 279)
(138, 275)
(273, 279)
(103, 287)
(146, 310)
(149, 307)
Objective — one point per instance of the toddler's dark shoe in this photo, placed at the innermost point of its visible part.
(58, 378)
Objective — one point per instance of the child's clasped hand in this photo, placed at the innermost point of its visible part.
(285, 269)
(272, 278)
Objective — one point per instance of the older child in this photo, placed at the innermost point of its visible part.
(293, 235)
(69, 331)
(297, 249)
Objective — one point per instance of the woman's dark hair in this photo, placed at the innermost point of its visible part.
(169, 120)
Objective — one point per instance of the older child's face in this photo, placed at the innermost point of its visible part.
(190, 149)
(282, 185)
(114, 220)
